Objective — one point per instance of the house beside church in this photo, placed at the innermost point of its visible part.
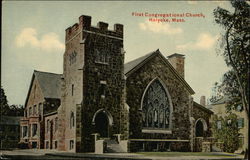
(99, 104)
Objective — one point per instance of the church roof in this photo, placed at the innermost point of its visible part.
(50, 84)
(132, 66)
(202, 107)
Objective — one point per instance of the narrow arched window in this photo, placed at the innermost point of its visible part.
(56, 124)
(72, 120)
(156, 110)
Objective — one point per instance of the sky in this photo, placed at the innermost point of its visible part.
(33, 36)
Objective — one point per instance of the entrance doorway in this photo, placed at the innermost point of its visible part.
(199, 129)
(102, 124)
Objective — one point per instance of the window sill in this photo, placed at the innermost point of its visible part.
(105, 63)
(157, 131)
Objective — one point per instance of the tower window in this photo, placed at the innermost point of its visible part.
(101, 57)
(56, 124)
(72, 89)
(72, 58)
(102, 88)
(71, 144)
(72, 120)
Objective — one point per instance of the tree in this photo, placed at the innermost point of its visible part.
(236, 46)
(4, 103)
(9, 110)
(226, 130)
(229, 89)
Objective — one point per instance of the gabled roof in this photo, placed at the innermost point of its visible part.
(202, 107)
(50, 84)
(134, 65)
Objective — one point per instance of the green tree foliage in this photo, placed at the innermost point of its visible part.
(229, 89)
(12, 110)
(236, 47)
(227, 132)
(4, 103)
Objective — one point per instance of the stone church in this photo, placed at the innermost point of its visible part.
(99, 104)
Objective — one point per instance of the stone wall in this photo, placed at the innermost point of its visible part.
(200, 112)
(136, 84)
(103, 81)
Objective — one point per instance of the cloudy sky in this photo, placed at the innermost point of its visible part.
(33, 35)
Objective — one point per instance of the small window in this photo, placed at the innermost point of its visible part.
(239, 108)
(30, 111)
(218, 124)
(55, 145)
(72, 120)
(71, 144)
(102, 89)
(25, 131)
(48, 125)
(25, 113)
(47, 144)
(34, 109)
(56, 124)
(40, 107)
(72, 89)
(34, 92)
(240, 122)
(34, 130)
(72, 58)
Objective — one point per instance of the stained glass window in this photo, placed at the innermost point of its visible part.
(156, 107)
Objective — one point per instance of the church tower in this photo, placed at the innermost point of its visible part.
(93, 86)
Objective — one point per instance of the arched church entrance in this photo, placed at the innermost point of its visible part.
(200, 127)
(102, 121)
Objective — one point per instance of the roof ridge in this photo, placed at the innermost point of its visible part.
(143, 56)
(47, 72)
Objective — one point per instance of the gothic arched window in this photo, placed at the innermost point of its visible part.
(156, 107)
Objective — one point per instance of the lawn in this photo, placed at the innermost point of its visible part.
(175, 154)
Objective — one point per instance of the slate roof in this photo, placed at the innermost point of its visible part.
(50, 84)
(137, 63)
(195, 104)
(132, 64)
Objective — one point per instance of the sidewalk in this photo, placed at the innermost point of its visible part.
(124, 156)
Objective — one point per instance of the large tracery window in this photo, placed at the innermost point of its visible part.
(156, 107)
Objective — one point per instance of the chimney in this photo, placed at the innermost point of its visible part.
(178, 62)
(203, 101)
